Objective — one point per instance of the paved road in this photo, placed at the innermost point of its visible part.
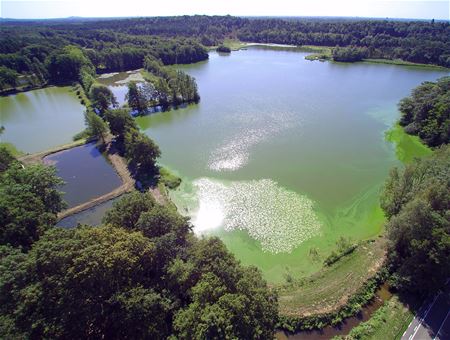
(432, 322)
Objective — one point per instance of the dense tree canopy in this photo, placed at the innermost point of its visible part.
(223, 49)
(95, 126)
(417, 203)
(120, 122)
(8, 78)
(141, 151)
(65, 64)
(142, 275)
(63, 53)
(29, 202)
(6, 158)
(349, 54)
(426, 112)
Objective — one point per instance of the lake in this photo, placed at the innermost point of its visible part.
(86, 171)
(41, 119)
(282, 155)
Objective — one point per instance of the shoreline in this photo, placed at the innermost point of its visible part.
(117, 162)
(318, 53)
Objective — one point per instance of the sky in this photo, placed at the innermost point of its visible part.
(415, 9)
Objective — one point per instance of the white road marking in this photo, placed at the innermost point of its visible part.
(425, 316)
(442, 324)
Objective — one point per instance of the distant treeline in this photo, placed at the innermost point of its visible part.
(122, 44)
(42, 52)
(27, 47)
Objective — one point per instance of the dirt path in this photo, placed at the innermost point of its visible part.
(39, 156)
(158, 196)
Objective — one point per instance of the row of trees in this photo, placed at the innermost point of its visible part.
(426, 112)
(140, 150)
(164, 87)
(416, 201)
(142, 274)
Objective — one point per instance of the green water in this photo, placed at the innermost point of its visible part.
(40, 119)
(283, 155)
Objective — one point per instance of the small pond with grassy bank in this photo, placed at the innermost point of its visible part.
(87, 173)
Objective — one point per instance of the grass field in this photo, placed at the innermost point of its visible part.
(318, 52)
(388, 322)
(331, 287)
(402, 63)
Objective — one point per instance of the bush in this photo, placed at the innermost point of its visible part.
(223, 49)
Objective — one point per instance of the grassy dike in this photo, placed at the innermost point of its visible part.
(334, 293)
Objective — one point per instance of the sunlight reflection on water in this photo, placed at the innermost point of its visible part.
(277, 218)
(234, 152)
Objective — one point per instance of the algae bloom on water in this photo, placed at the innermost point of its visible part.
(279, 219)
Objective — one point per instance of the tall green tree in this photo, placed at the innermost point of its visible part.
(127, 211)
(120, 122)
(95, 125)
(141, 151)
(136, 98)
(102, 98)
(225, 301)
(85, 283)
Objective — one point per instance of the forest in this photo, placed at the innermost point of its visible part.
(31, 47)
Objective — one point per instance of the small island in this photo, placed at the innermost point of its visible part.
(223, 49)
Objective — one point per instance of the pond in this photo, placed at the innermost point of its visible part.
(284, 155)
(92, 216)
(117, 83)
(86, 172)
(41, 119)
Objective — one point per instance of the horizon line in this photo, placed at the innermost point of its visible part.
(222, 15)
